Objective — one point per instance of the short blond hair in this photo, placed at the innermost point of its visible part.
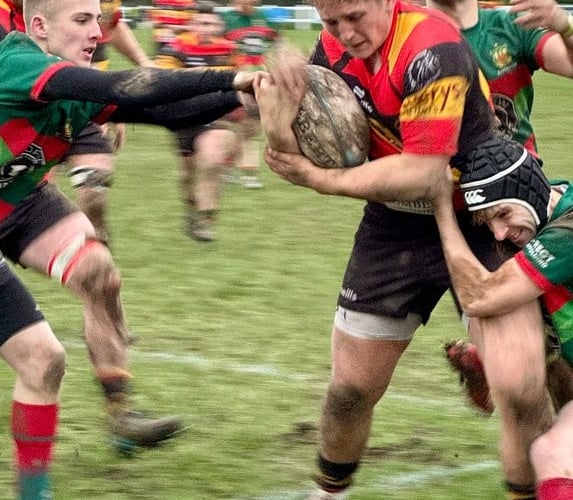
(47, 8)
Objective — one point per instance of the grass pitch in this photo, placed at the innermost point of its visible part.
(234, 336)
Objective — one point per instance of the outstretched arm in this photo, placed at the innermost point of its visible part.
(172, 98)
(181, 114)
(141, 86)
(480, 292)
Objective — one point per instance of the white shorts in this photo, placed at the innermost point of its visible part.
(375, 326)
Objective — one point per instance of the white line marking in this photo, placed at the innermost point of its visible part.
(413, 479)
(201, 362)
(431, 474)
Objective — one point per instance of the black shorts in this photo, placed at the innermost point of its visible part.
(17, 307)
(41, 209)
(90, 141)
(397, 265)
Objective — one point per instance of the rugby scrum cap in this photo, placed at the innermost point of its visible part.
(500, 171)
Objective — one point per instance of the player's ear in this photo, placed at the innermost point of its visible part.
(39, 27)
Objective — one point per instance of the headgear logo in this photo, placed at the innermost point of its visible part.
(473, 197)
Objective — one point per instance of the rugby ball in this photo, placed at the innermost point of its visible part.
(331, 127)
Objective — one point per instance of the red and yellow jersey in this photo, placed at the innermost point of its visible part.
(428, 97)
(111, 15)
(188, 51)
(11, 18)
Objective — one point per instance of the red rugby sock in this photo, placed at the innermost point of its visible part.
(34, 431)
(559, 488)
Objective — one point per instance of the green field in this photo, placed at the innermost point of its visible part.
(234, 336)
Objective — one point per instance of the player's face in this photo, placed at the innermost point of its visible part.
(207, 25)
(246, 6)
(73, 32)
(509, 221)
(361, 26)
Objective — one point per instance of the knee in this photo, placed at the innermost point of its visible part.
(221, 146)
(45, 369)
(54, 370)
(519, 393)
(346, 403)
(95, 275)
(521, 401)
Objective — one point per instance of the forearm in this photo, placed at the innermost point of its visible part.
(469, 277)
(181, 114)
(124, 41)
(139, 87)
(400, 177)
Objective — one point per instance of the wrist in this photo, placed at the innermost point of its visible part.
(567, 31)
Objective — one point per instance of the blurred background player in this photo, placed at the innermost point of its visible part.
(510, 47)
(11, 18)
(248, 27)
(209, 152)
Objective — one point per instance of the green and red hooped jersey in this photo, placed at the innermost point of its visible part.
(34, 135)
(546, 259)
(253, 35)
(428, 97)
(508, 55)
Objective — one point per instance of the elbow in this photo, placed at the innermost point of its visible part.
(473, 302)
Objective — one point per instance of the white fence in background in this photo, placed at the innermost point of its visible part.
(300, 17)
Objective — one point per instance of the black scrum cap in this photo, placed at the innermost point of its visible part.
(502, 171)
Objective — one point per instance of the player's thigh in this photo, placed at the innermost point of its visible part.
(367, 347)
(30, 350)
(43, 223)
(366, 365)
(59, 236)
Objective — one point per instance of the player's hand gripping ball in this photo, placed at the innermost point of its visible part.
(331, 127)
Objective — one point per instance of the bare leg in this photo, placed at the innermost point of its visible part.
(361, 372)
(95, 279)
(39, 361)
(513, 354)
(202, 179)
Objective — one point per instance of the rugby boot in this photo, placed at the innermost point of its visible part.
(199, 224)
(131, 429)
(464, 359)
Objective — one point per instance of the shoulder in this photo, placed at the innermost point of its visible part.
(416, 30)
